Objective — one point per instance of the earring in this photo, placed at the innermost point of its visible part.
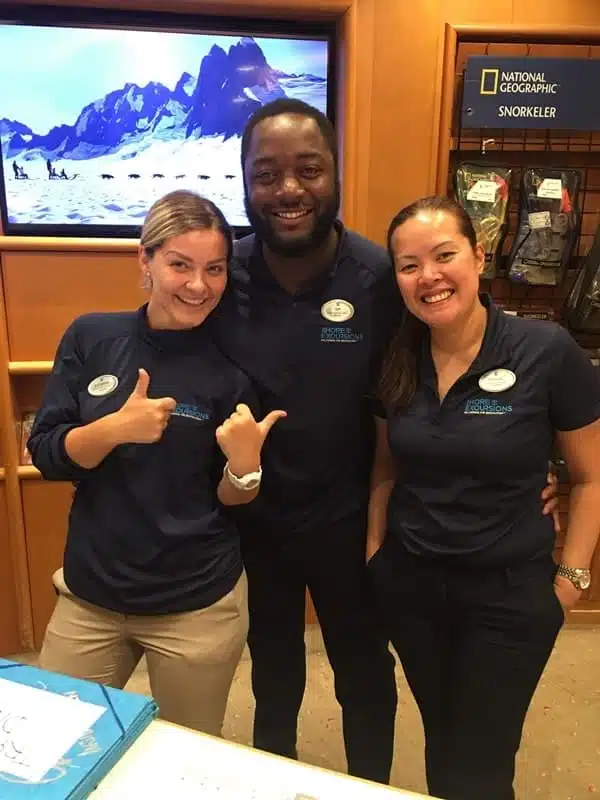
(147, 282)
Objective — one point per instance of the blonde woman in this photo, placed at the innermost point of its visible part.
(156, 428)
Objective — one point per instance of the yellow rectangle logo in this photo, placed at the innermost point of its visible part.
(489, 81)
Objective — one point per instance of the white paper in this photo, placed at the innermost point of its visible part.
(483, 191)
(550, 188)
(171, 762)
(540, 219)
(38, 727)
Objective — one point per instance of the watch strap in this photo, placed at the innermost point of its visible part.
(576, 575)
(245, 482)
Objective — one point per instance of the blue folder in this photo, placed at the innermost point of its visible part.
(81, 769)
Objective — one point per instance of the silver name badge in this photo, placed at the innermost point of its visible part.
(103, 385)
(497, 380)
(337, 310)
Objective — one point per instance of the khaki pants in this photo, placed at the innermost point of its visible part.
(191, 656)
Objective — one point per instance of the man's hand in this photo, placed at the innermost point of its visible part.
(551, 501)
(373, 548)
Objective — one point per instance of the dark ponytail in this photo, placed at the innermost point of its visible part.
(400, 370)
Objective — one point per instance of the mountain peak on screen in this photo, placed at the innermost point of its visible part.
(228, 88)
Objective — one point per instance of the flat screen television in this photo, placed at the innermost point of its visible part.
(103, 112)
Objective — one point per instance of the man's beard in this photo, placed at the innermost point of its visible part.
(325, 217)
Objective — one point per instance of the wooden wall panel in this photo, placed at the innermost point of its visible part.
(472, 12)
(572, 12)
(9, 629)
(355, 73)
(559, 50)
(46, 508)
(404, 76)
(46, 291)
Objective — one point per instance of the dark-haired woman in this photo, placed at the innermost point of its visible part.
(471, 402)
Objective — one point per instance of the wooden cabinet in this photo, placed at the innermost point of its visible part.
(45, 510)
(9, 628)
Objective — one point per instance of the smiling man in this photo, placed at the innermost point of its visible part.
(292, 192)
(312, 305)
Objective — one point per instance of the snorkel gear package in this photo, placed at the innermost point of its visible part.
(483, 192)
(583, 302)
(549, 219)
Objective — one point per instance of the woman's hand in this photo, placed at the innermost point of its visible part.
(241, 438)
(567, 594)
(142, 420)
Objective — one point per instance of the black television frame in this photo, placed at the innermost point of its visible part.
(169, 22)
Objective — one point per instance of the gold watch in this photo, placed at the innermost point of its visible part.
(580, 578)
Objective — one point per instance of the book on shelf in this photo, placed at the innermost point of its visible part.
(25, 427)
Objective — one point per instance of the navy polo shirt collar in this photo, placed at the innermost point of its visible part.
(185, 340)
(495, 349)
(260, 272)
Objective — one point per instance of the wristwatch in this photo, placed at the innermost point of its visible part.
(580, 578)
(246, 482)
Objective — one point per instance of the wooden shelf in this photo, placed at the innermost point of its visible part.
(28, 471)
(30, 367)
(58, 244)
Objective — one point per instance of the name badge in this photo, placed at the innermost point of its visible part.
(103, 385)
(337, 310)
(497, 380)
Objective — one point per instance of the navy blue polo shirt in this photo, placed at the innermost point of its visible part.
(146, 533)
(471, 470)
(312, 354)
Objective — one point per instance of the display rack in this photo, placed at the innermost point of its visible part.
(517, 148)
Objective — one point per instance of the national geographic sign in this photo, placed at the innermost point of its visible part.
(531, 93)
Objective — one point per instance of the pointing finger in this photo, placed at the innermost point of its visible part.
(272, 417)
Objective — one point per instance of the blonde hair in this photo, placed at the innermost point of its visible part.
(180, 212)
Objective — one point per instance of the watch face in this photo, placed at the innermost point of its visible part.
(585, 581)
